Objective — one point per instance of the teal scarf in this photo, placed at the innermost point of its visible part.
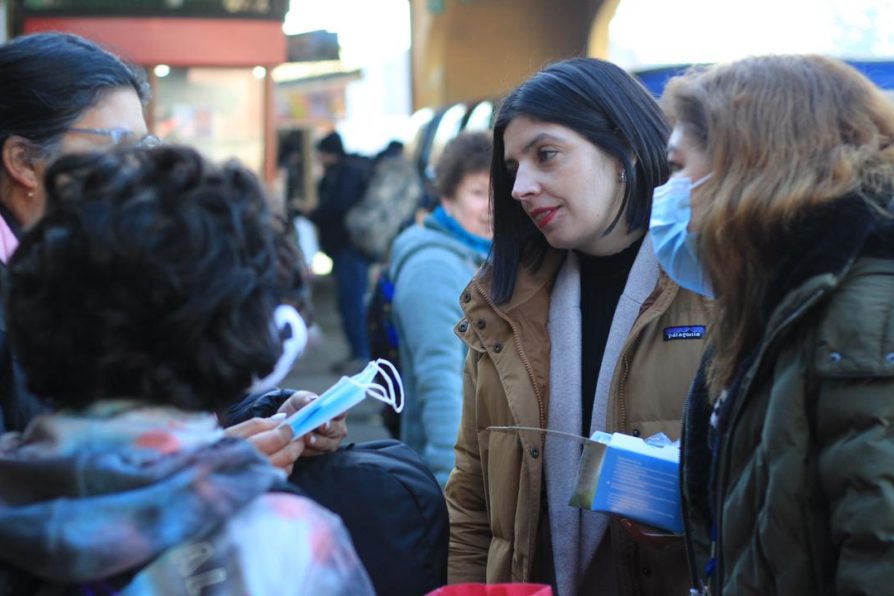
(477, 243)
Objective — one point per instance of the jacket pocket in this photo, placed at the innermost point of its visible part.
(502, 481)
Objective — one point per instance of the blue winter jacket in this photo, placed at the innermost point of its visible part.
(430, 266)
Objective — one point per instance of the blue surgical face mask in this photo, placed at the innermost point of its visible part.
(674, 244)
(347, 393)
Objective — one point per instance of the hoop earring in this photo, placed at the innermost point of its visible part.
(622, 178)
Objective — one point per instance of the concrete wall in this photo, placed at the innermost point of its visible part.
(483, 48)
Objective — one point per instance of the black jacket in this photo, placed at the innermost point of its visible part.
(17, 405)
(341, 187)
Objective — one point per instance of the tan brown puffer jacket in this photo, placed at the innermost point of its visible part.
(494, 493)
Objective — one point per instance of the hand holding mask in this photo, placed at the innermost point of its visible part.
(347, 393)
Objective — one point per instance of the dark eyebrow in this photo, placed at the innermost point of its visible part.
(543, 136)
(536, 140)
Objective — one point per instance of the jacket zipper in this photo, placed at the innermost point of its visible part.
(737, 410)
(527, 363)
(622, 403)
(540, 407)
(651, 313)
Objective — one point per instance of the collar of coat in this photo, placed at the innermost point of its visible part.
(827, 241)
(528, 281)
(817, 253)
(529, 284)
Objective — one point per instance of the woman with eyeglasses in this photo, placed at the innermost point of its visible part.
(62, 94)
(59, 94)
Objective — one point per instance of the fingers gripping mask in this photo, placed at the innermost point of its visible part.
(674, 244)
(287, 325)
(347, 393)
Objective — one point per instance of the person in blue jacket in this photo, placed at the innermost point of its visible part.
(430, 265)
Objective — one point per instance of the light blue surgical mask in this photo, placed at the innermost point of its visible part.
(347, 393)
(673, 243)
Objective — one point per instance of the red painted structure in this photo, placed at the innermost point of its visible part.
(178, 41)
(185, 42)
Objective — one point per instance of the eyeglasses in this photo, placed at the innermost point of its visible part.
(120, 136)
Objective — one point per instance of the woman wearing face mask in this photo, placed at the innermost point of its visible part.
(788, 447)
(570, 327)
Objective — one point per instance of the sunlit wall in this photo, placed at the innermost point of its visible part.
(657, 32)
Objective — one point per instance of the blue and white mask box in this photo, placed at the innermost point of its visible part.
(626, 476)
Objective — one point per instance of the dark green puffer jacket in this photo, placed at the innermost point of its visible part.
(802, 471)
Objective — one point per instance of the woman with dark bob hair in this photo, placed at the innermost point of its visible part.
(788, 447)
(571, 327)
(146, 300)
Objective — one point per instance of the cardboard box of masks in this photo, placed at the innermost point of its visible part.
(626, 476)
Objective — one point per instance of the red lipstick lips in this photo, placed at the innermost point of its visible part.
(543, 216)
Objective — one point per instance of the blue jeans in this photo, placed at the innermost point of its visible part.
(351, 272)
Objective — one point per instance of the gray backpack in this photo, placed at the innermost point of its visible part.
(390, 200)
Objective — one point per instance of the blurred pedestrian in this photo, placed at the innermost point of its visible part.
(780, 206)
(342, 185)
(430, 266)
(571, 327)
(168, 271)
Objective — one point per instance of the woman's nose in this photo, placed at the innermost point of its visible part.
(525, 185)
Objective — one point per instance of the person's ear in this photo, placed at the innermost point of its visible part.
(21, 163)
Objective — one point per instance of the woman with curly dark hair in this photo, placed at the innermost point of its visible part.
(146, 300)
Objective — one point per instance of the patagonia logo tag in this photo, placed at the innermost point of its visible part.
(688, 332)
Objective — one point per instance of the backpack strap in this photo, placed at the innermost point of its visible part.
(399, 264)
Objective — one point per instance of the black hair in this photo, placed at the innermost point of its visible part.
(392, 149)
(468, 153)
(292, 143)
(153, 275)
(331, 143)
(608, 107)
(48, 80)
